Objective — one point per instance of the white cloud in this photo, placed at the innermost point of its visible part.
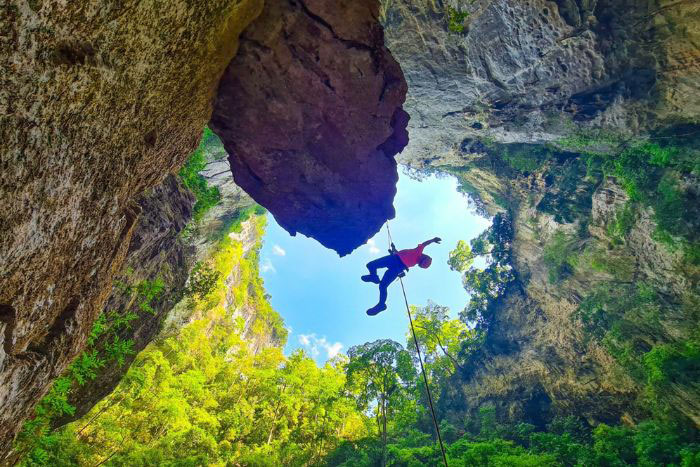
(278, 250)
(267, 266)
(372, 245)
(315, 345)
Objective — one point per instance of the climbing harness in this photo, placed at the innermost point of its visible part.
(420, 359)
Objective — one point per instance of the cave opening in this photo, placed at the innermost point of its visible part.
(320, 295)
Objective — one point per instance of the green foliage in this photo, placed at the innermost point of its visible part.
(672, 363)
(455, 19)
(525, 158)
(651, 174)
(620, 266)
(627, 320)
(117, 322)
(104, 345)
(623, 223)
(440, 340)
(118, 349)
(654, 174)
(84, 368)
(202, 281)
(380, 374)
(560, 256)
(206, 196)
(487, 285)
(148, 291)
(207, 396)
(461, 258)
(99, 327)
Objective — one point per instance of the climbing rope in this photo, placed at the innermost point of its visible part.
(420, 359)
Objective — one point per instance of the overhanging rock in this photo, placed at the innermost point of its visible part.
(310, 114)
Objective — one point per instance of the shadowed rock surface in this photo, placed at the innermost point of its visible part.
(310, 114)
(98, 101)
(156, 252)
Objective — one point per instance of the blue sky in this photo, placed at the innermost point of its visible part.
(321, 297)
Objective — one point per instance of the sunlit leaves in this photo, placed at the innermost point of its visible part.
(461, 258)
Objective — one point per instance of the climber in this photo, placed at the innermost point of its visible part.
(395, 263)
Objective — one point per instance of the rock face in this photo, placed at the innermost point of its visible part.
(162, 251)
(534, 71)
(98, 102)
(217, 173)
(310, 114)
(517, 75)
(157, 252)
(538, 361)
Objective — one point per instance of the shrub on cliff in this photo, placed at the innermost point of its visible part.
(206, 196)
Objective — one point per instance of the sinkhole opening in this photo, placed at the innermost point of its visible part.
(320, 295)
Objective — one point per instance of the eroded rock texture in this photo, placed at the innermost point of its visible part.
(532, 71)
(310, 113)
(98, 102)
(157, 252)
(519, 74)
(538, 361)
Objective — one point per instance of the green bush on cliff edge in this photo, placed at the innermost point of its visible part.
(207, 197)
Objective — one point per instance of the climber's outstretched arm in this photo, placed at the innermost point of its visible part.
(432, 240)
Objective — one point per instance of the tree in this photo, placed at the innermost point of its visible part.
(439, 338)
(485, 285)
(461, 258)
(379, 372)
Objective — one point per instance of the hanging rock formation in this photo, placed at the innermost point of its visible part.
(310, 114)
(98, 102)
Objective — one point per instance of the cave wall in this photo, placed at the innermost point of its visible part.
(100, 101)
(534, 71)
(518, 78)
(548, 349)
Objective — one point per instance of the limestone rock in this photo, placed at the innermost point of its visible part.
(537, 361)
(156, 252)
(537, 70)
(310, 114)
(98, 102)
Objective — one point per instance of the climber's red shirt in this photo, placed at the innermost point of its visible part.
(410, 257)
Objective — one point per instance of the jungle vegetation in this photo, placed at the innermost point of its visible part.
(221, 392)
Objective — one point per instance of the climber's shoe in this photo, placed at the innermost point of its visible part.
(373, 278)
(375, 310)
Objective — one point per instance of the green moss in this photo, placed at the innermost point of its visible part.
(560, 256)
(625, 219)
(525, 157)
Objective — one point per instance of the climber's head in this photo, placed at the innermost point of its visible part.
(425, 261)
